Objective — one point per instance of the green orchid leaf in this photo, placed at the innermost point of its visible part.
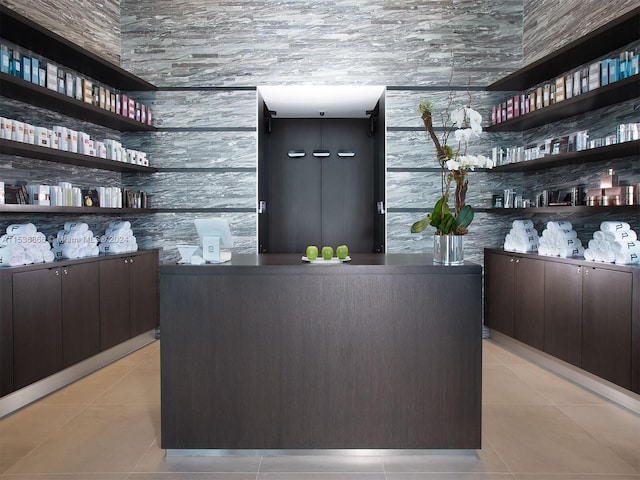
(448, 224)
(440, 211)
(465, 217)
(420, 225)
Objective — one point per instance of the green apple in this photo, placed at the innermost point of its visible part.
(312, 252)
(342, 251)
(327, 253)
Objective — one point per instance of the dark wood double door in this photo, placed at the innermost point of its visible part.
(320, 200)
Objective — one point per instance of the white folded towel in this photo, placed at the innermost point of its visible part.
(119, 232)
(569, 252)
(48, 256)
(614, 226)
(560, 225)
(627, 258)
(624, 235)
(76, 226)
(563, 233)
(28, 228)
(588, 255)
(119, 224)
(598, 235)
(522, 224)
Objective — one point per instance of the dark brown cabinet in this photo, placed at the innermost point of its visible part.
(143, 288)
(114, 301)
(55, 320)
(515, 286)
(128, 296)
(37, 325)
(588, 314)
(563, 311)
(80, 312)
(53, 316)
(498, 287)
(606, 324)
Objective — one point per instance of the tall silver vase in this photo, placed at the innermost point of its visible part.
(447, 249)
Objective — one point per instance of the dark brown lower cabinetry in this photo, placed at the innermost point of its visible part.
(55, 315)
(516, 287)
(590, 312)
(37, 329)
(266, 352)
(563, 311)
(606, 324)
(128, 295)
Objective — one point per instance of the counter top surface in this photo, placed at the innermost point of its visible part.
(360, 263)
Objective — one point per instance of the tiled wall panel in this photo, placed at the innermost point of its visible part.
(549, 24)
(92, 24)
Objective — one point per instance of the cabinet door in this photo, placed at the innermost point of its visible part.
(528, 304)
(144, 296)
(80, 312)
(606, 334)
(563, 311)
(114, 302)
(37, 325)
(499, 292)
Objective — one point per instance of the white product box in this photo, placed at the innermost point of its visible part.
(7, 126)
(39, 195)
(17, 131)
(29, 134)
(52, 77)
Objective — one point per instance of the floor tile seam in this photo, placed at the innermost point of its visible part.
(46, 438)
(133, 470)
(259, 467)
(485, 438)
(112, 386)
(555, 375)
(595, 439)
(602, 446)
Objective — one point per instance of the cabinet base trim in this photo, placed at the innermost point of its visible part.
(610, 391)
(20, 398)
(352, 452)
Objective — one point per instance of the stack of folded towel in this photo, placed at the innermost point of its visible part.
(523, 237)
(118, 238)
(24, 245)
(614, 242)
(75, 241)
(559, 239)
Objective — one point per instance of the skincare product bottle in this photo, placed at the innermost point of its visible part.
(17, 64)
(613, 70)
(622, 66)
(35, 71)
(584, 80)
(609, 179)
(4, 59)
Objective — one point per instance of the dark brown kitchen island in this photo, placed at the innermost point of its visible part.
(268, 352)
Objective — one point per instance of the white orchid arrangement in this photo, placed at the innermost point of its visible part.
(466, 123)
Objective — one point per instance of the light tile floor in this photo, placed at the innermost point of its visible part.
(536, 426)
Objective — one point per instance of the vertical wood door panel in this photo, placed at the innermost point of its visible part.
(80, 312)
(144, 293)
(320, 200)
(528, 314)
(114, 302)
(295, 195)
(347, 186)
(499, 292)
(606, 333)
(563, 312)
(37, 325)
